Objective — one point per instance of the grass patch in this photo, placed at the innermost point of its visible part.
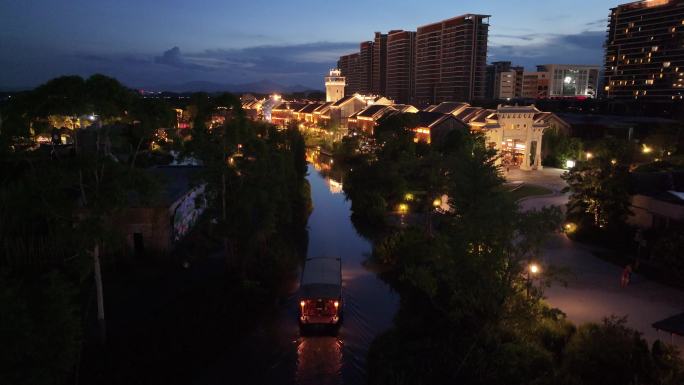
(529, 190)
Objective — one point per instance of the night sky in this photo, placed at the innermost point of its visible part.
(152, 44)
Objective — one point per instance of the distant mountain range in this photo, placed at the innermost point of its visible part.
(260, 87)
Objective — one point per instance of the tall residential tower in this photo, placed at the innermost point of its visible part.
(645, 51)
(451, 60)
(400, 65)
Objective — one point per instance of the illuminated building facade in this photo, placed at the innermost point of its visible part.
(451, 60)
(516, 132)
(570, 80)
(535, 85)
(503, 81)
(645, 51)
(334, 85)
(349, 66)
(366, 67)
(378, 82)
(400, 65)
(440, 62)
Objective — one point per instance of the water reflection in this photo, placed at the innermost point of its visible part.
(323, 163)
(319, 360)
(276, 353)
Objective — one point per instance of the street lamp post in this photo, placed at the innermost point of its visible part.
(532, 270)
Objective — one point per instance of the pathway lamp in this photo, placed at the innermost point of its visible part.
(570, 228)
(533, 269)
(646, 149)
(570, 163)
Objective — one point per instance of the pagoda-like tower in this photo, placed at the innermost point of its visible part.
(334, 85)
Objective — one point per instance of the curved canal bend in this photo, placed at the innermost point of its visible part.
(278, 354)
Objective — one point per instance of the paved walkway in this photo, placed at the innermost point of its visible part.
(547, 177)
(593, 287)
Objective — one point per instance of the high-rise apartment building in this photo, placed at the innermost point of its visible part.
(645, 51)
(451, 60)
(503, 81)
(400, 65)
(379, 64)
(350, 66)
(366, 67)
(505, 85)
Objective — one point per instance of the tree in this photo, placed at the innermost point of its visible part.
(560, 148)
(606, 354)
(148, 115)
(40, 329)
(599, 186)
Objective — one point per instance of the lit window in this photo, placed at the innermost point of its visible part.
(654, 48)
(649, 81)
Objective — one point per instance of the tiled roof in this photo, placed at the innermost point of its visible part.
(295, 106)
(517, 109)
(428, 118)
(343, 100)
(323, 107)
(402, 107)
(449, 107)
(482, 115)
(467, 114)
(369, 111)
(309, 108)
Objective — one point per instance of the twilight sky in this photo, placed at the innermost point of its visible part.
(148, 43)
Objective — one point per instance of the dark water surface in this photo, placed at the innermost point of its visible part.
(277, 353)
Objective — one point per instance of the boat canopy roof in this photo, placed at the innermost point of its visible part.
(322, 271)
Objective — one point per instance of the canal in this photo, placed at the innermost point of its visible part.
(277, 353)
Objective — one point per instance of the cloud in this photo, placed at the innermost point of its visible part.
(581, 48)
(584, 40)
(292, 64)
(289, 64)
(600, 23)
(515, 37)
(174, 58)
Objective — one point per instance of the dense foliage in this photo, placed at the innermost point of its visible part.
(57, 202)
(471, 312)
(560, 148)
(600, 187)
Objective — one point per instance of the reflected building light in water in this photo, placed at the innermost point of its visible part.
(319, 360)
(334, 186)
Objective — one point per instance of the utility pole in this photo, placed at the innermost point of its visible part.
(100, 297)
